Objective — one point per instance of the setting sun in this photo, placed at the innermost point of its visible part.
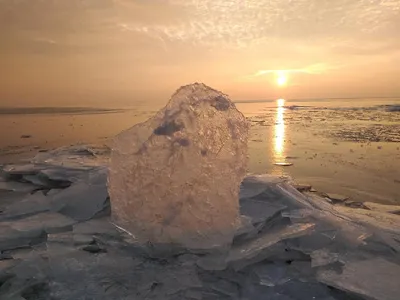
(281, 79)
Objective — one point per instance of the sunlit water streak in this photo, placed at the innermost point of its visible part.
(279, 137)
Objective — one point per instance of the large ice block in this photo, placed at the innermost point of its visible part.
(175, 178)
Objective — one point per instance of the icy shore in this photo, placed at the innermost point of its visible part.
(57, 242)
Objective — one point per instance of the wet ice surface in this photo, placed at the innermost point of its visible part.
(356, 124)
(335, 149)
(57, 242)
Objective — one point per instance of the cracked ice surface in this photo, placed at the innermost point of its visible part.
(175, 178)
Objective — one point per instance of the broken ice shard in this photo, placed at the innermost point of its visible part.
(175, 178)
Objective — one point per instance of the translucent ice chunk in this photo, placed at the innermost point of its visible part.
(31, 205)
(81, 157)
(16, 186)
(323, 257)
(373, 219)
(272, 274)
(256, 247)
(392, 209)
(259, 211)
(356, 277)
(81, 201)
(175, 178)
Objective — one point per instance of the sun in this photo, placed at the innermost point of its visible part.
(281, 79)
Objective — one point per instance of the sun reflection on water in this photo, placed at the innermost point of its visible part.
(279, 139)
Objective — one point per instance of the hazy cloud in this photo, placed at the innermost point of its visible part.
(134, 43)
(240, 22)
(312, 69)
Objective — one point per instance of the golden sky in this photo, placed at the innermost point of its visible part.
(106, 52)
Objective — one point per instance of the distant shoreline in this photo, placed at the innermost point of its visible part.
(29, 110)
(57, 110)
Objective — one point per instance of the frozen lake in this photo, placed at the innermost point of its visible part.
(345, 146)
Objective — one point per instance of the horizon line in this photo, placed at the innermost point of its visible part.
(108, 108)
(319, 98)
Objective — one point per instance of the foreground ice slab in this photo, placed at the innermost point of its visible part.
(382, 285)
(55, 244)
(175, 178)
